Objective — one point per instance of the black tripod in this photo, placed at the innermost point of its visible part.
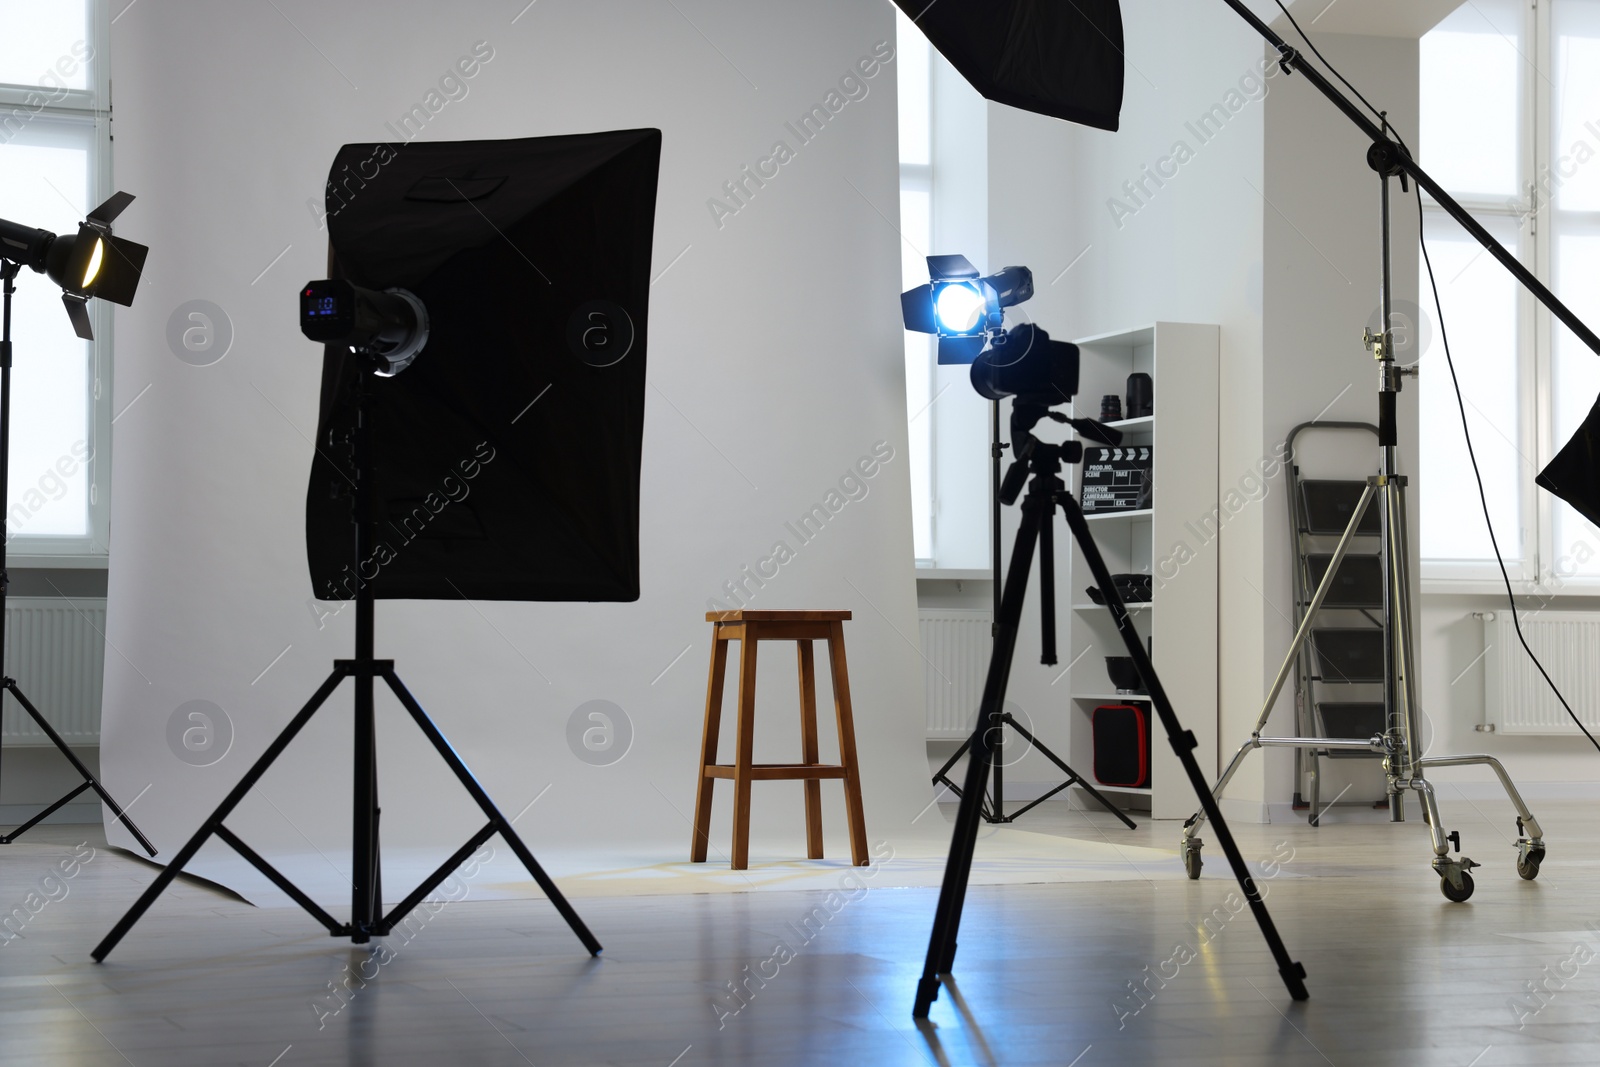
(8, 279)
(1046, 491)
(992, 807)
(367, 919)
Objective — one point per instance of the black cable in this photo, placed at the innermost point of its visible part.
(1444, 337)
(1335, 70)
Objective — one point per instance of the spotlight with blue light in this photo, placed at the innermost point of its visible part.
(966, 311)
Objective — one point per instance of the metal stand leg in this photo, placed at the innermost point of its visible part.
(987, 807)
(89, 780)
(1404, 763)
(367, 919)
(1189, 843)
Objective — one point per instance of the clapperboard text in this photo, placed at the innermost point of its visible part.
(1116, 479)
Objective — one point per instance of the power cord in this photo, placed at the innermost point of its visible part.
(1455, 382)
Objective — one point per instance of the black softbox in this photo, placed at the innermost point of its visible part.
(1574, 475)
(1061, 58)
(507, 457)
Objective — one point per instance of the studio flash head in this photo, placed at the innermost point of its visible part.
(390, 326)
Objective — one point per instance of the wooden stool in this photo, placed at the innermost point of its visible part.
(750, 628)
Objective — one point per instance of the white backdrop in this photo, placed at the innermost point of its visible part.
(775, 365)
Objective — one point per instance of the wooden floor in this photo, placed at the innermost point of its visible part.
(1397, 974)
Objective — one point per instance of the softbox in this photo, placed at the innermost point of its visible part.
(1574, 475)
(1061, 58)
(507, 456)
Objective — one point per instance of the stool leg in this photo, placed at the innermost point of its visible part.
(847, 746)
(808, 747)
(708, 749)
(746, 742)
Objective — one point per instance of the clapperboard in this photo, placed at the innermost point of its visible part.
(1116, 479)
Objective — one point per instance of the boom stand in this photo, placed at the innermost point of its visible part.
(992, 809)
(1045, 492)
(367, 919)
(8, 276)
(1403, 763)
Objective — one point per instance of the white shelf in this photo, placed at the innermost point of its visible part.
(1183, 361)
(1137, 790)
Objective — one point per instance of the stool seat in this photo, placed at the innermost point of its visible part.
(750, 628)
(745, 615)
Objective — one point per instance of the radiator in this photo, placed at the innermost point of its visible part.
(955, 650)
(1516, 699)
(56, 652)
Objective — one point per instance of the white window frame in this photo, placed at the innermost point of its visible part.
(90, 105)
(1535, 327)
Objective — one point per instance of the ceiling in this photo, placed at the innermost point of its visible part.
(1374, 18)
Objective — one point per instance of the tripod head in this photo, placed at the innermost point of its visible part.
(1037, 457)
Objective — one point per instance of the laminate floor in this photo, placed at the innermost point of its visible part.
(1046, 973)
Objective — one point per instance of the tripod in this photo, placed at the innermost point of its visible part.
(992, 807)
(8, 286)
(1046, 491)
(367, 919)
(1403, 764)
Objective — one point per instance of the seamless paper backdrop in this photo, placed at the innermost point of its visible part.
(775, 466)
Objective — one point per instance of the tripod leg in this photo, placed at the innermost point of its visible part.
(497, 820)
(1074, 777)
(1183, 743)
(943, 773)
(43, 815)
(89, 779)
(958, 867)
(214, 822)
(985, 810)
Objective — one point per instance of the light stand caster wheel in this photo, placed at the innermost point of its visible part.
(1191, 861)
(1453, 894)
(1529, 857)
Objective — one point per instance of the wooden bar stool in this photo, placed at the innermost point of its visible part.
(750, 628)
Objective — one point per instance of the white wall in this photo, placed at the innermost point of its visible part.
(1191, 252)
(961, 417)
(775, 364)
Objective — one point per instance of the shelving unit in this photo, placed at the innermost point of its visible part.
(1174, 541)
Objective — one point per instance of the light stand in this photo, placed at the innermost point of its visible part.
(1403, 763)
(1046, 491)
(8, 286)
(367, 919)
(992, 806)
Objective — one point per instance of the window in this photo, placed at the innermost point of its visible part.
(914, 73)
(1510, 98)
(54, 167)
